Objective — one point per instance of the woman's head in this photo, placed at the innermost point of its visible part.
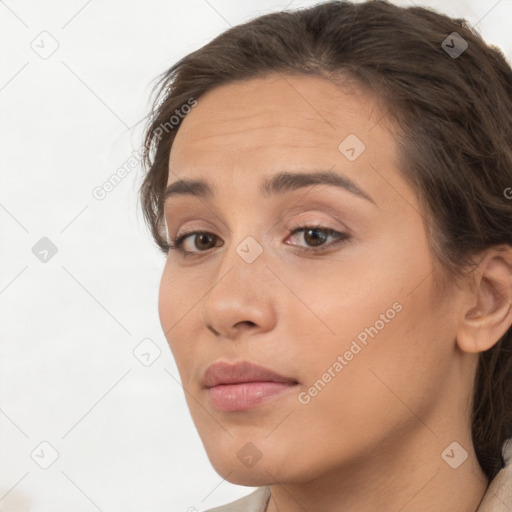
(399, 331)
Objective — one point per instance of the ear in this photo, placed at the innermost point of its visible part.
(487, 314)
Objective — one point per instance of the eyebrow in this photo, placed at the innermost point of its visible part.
(277, 184)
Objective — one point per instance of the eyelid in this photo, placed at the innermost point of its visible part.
(290, 220)
(292, 215)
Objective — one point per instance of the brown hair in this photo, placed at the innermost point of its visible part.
(452, 119)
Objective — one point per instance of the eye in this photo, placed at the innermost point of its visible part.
(203, 237)
(314, 235)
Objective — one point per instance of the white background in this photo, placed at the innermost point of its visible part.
(122, 431)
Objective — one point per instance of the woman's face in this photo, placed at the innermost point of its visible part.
(350, 317)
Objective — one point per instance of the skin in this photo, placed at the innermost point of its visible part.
(372, 438)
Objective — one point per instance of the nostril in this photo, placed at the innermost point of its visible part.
(245, 322)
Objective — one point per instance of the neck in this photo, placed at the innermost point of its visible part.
(408, 477)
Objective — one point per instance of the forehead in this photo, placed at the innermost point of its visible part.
(242, 133)
(299, 113)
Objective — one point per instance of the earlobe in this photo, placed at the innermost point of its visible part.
(490, 314)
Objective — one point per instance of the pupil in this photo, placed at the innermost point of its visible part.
(202, 236)
(316, 240)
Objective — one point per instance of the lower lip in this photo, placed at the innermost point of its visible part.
(237, 397)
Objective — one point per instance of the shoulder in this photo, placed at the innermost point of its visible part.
(256, 501)
(498, 497)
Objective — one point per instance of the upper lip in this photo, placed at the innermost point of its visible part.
(225, 373)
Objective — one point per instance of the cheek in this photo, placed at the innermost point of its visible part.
(177, 296)
(175, 309)
(165, 301)
(377, 313)
(381, 391)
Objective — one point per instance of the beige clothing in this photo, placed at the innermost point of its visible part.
(497, 498)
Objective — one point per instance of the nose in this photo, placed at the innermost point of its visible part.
(241, 299)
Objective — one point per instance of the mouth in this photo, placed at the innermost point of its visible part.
(243, 385)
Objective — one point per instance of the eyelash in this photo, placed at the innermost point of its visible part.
(177, 243)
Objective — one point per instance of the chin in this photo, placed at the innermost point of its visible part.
(237, 467)
(249, 477)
